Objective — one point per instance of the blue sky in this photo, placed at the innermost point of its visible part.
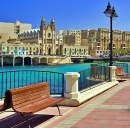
(67, 14)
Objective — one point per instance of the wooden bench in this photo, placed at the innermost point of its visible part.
(120, 72)
(29, 99)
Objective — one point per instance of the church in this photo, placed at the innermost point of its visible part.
(45, 37)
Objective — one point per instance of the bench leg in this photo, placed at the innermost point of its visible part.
(24, 116)
(58, 110)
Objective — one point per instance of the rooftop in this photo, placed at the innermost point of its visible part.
(31, 30)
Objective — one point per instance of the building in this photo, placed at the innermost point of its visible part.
(117, 39)
(67, 50)
(72, 37)
(98, 41)
(20, 48)
(10, 30)
(72, 40)
(84, 37)
(125, 39)
(72, 32)
(59, 37)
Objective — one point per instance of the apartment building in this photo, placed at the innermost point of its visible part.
(59, 37)
(72, 40)
(125, 39)
(10, 30)
(70, 37)
(99, 40)
(117, 39)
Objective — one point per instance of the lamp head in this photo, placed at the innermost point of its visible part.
(108, 11)
(114, 12)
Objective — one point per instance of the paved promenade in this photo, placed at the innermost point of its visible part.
(110, 109)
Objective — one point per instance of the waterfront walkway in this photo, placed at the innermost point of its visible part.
(110, 109)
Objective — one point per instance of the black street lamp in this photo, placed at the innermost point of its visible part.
(112, 14)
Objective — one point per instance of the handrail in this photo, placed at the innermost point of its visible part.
(93, 76)
(20, 78)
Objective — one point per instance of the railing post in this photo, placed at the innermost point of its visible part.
(23, 61)
(1, 60)
(129, 67)
(72, 85)
(13, 61)
(112, 73)
(62, 84)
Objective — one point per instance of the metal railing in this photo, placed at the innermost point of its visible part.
(93, 76)
(21, 78)
(125, 65)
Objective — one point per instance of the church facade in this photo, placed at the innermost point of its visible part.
(45, 37)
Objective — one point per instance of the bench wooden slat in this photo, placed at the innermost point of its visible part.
(30, 94)
(29, 102)
(30, 97)
(28, 88)
(30, 109)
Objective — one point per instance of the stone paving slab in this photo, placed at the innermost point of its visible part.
(110, 116)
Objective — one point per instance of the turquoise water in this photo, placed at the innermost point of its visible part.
(53, 68)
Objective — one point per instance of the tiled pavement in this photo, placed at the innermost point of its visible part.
(110, 109)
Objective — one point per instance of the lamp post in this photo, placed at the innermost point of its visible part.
(112, 14)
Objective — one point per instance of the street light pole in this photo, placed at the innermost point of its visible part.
(112, 14)
(111, 60)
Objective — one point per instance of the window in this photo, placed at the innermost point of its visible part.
(11, 48)
(23, 49)
(26, 48)
(19, 48)
(15, 48)
(33, 48)
(0, 37)
(7, 48)
(3, 48)
(0, 48)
